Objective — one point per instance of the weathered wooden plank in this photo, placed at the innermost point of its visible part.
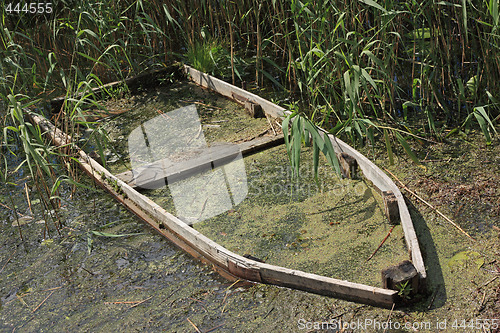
(257, 144)
(155, 173)
(348, 165)
(383, 183)
(391, 207)
(158, 172)
(253, 109)
(327, 286)
(233, 92)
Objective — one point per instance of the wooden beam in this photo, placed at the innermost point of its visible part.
(328, 286)
(391, 207)
(207, 249)
(253, 109)
(348, 165)
(154, 174)
(235, 93)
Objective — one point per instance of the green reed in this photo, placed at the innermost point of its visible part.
(77, 48)
(369, 70)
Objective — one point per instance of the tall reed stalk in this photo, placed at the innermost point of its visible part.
(364, 69)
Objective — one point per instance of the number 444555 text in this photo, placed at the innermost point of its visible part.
(29, 7)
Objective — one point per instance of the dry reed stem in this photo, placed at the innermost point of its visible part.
(271, 124)
(225, 296)
(28, 197)
(55, 288)
(5, 206)
(46, 298)
(139, 303)
(382, 243)
(490, 281)
(201, 303)
(430, 206)
(135, 303)
(390, 314)
(196, 328)
(214, 328)
(208, 106)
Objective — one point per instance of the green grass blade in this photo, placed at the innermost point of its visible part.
(90, 242)
(484, 126)
(315, 160)
(388, 147)
(284, 126)
(374, 4)
(330, 154)
(296, 144)
(407, 148)
(482, 111)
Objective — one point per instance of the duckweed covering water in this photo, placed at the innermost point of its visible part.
(221, 119)
(328, 227)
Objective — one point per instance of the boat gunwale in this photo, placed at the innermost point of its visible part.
(232, 264)
(371, 172)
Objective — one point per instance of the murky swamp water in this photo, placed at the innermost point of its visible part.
(329, 227)
(143, 283)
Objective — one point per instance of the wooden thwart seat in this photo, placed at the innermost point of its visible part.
(164, 171)
(230, 264)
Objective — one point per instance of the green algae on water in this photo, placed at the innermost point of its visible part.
(221, 119)
(328, 227)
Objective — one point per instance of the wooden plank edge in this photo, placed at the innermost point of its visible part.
(383, 183)
(202, 247)
(228, 90)
(328, 286)
(246, 148)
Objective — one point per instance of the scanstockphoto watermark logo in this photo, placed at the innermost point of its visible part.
(361, 325)
(171, 150)
(372, 325)
(279, 180)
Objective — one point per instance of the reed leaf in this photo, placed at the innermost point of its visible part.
(407, 148)
(484, 122)
(388, 147)
(301, 132)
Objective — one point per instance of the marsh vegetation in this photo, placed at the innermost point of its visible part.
(397, 79)
(366, 70)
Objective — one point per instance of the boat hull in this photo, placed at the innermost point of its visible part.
(231, 265)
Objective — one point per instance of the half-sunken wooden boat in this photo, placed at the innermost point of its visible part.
(232, 265)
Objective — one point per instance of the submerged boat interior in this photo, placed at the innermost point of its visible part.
(213, 177)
